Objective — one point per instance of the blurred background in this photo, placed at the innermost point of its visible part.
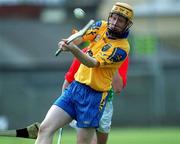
(31, 76)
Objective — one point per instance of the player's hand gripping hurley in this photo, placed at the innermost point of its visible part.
(76, 35)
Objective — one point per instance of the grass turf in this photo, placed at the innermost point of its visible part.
(117, 136)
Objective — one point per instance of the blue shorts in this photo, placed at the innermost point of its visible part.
(105, 122)
(83, 104)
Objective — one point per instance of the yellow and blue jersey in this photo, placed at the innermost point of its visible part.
(110, 53)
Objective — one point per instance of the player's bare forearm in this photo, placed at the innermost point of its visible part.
(84, 58)
(81, 56)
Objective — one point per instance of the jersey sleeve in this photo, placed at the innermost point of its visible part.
(123, 70)
(111, 56)
(69, 76)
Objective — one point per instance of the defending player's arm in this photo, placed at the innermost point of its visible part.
(120, 78)
(117, 83)
(69, 76)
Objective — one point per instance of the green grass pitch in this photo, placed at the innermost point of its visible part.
(117, 136)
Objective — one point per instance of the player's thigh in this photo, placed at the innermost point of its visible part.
(55, 118)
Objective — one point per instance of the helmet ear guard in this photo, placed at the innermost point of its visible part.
(129, 24)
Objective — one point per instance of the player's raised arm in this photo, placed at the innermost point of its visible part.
(82, 57)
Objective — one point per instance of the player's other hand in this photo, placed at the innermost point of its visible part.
(74, 31)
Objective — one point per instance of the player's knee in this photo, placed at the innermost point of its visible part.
(45, 129)
(42, 129)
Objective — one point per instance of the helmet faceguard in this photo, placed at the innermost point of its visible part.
(122, 10)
